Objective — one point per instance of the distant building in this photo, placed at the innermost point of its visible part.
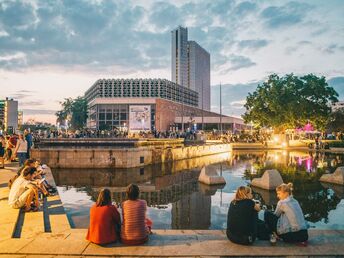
(148, 104)
(9, 115)
(338, 105)
(20, 119)
(191, 66)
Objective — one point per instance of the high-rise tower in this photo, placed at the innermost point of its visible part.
(180, 56)
(191, 66)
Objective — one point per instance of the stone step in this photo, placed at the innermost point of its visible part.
(32, 224)
(8, 220)
(56, 220)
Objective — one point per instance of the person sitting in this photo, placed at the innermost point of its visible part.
(104, 220)
(23, 192)
(135, 227)
(242, 217)
(287, 221)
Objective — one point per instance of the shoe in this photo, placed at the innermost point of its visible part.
(273, 239)
(302, 244)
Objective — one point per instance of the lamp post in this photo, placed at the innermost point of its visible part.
(182, 108)
(220, 108)
(202, 109)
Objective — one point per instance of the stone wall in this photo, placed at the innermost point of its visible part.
(122, 157)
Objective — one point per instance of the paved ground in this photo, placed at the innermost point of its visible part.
(59, 240)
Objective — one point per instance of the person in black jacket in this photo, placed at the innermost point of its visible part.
(242, 219)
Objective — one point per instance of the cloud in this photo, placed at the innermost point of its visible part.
(253, 44)
(38, 112)
(238, 62)
(338, 84)
(287, 15)
(233, 97)
(31, 103)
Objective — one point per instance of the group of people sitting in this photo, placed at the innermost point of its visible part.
(287, 222)
(105, 220)
(243, 226)
(26, 186)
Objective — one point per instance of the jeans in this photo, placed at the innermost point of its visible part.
(22, 157)
(271, 221)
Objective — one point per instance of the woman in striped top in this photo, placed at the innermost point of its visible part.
(135, 229)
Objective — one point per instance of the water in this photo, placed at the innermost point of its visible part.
(176, 200)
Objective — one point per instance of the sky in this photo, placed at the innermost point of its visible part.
(51, 50)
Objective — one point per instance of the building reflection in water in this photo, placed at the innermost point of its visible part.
(174, 187)
(173, 183)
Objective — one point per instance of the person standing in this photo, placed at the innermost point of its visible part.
(2, 151)
(28, 138)
(105, 220)
(21, 150)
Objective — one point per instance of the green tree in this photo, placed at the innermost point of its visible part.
(290, 102)
(73, 110)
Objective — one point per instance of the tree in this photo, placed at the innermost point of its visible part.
(74, 111)
(290, 102)
(336, 123)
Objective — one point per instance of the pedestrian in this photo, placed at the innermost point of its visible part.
(21, 150)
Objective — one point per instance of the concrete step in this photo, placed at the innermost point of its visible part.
(8, 220)
(32, 224)
(55, 217)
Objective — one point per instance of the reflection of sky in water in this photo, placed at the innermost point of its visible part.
(77, 203)
(335, 219)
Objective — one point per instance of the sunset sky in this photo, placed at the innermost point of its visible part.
(51, 50)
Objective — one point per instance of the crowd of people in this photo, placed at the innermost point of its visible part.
(29, 186)
(14, 146)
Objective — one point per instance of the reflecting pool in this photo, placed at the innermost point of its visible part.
(177, 200)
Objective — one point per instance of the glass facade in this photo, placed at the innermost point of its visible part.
(112, 116)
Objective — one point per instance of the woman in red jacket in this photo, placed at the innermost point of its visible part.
(104, 220)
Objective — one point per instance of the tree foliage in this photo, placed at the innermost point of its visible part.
(74, 111)
(290, 102)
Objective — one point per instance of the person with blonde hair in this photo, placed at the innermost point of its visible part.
(242, 217)
(287, 221)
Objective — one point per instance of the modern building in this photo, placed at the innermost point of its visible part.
(9, 115)
(191, 66)
(148, 104)
(338, 105)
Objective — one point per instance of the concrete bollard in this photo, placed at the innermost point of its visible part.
(209, 176)
(336, 178)
(269, 181)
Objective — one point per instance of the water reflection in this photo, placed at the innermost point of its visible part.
(177, 200)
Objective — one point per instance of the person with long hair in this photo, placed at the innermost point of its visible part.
(242, 219)
(136, 226)
(287, 222)
(104, 220)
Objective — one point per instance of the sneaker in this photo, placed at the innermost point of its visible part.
(302, 244)
(273, 239)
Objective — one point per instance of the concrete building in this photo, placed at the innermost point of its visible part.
(9, 115)
(191, 66)
(148, 104)
(338, 105)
